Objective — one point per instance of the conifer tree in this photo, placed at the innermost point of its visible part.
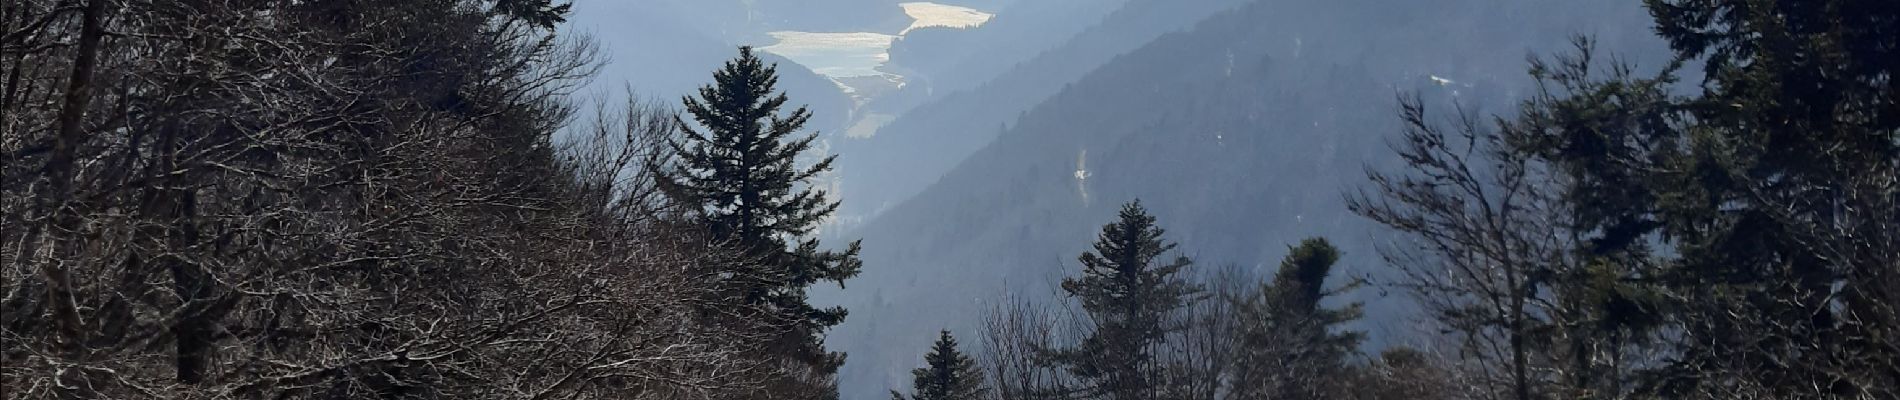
(950, 375)
(1129, 292)
(1790, 205)
(738, 168)
(1289, 347)
(1763, 207)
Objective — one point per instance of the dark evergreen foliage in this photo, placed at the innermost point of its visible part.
(1291, 347)
(949, 375)
(739, 165)
(1129, 291)
(1752, 220)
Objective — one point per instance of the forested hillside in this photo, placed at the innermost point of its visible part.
(1243, 131)
(950, 61)
(1157, 200)
(918, 147)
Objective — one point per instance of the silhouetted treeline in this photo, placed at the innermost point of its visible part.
(1141, 323)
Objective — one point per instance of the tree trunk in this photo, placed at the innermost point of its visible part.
(59, 169)
(1519, 358)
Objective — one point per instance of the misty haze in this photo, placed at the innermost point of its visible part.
(950, 199)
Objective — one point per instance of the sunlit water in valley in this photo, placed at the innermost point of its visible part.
(834, 54)
(930, 15)
(847, 58)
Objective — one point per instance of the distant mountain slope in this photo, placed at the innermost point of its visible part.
(666, 49)
(940, 61)
(946, 61)
(1239, 134)
(917, 147)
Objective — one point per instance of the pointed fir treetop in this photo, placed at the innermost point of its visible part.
(740, 164)
(1130, 296)
(736, 167)
(1121, 272)
(948, 374)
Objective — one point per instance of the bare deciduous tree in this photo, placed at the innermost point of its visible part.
(1485, 239)
(336, 200)
(1016, 334)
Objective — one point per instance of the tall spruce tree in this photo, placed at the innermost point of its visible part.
(1767, 202)
(740, 169)
(1130, 294)
(1790, 205)
(950, 375)
(1289, 349)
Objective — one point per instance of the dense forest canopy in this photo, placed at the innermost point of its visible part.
(1224, 199)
